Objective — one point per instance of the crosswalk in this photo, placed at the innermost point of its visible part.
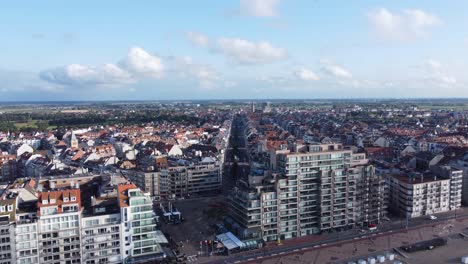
(192, 258)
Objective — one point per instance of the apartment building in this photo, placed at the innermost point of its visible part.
(316, 188)
(102, 229)
(179, 180)
(138, 219)
(420, 194)
(105, 220)
(8, 203)
(456, 183)
(7, 167)
(59, 213)
(151, 182)
(462, 165)
(203, 177)
(26, 238)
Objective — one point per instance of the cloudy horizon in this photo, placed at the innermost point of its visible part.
(237, 49)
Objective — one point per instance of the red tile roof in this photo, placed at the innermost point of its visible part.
(59, 199)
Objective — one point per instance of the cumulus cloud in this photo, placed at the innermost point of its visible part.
(332, 69)
(185, 67)
(405, 26)
(136, 65)
(438, 73)
(306, 75)
(80, 75)
(259, 8)
(198, 39)
(140, 62)
(242, 51)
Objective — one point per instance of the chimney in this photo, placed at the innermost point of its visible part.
(52, 185)
(93, 201)
(72, 183)
(77, 185)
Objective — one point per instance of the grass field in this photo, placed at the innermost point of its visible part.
(31, 123)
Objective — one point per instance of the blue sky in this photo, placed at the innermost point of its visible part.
(205, 49)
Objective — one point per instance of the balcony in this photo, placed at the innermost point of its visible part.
(99, 233)
(99, 248)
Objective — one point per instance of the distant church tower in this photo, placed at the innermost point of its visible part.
(73, 141)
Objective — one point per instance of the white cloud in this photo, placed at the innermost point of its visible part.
(198, 39)
(140, 62)
(185, 67)
(80, 75)
(306, 75)
(259, 8)
(405, 26)
(332, 69)
(246, 52)
(438, 73)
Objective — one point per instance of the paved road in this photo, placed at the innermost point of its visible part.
(236, 163)
(388, 228)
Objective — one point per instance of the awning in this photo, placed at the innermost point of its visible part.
(161, 238)
(229, 240)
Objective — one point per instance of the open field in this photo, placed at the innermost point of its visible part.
(31, 123)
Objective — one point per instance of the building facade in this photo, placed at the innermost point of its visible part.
(418, 195)
(317, 188)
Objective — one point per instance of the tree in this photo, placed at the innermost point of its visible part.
(42, 125)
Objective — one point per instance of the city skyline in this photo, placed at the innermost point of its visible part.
(239, 49)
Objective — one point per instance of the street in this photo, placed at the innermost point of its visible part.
(236, 165)
(395, 232)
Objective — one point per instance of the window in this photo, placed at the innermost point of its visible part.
(65, 199)
(10, 208)
(73, 198)
(2, 209)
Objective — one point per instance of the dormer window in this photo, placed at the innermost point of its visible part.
(45, 202)
(52, 201)
(73, 198)
(2, 209)
(10, 208)
(65, 199)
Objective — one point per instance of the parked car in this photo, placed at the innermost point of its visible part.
(432, 217)
(372, 227)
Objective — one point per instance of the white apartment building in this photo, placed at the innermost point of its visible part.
(141, 238)
(101, 237)
(107, 223)
(59, 213)
(26, 240)
(462, 165)
(419, 195)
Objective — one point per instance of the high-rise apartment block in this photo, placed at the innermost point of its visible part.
(315, 188)
(86, 219)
